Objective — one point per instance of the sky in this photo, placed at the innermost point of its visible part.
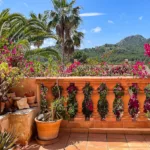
(103, 21)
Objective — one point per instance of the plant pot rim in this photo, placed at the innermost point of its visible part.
(44, 122)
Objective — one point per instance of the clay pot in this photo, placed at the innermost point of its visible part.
(2, 105)
(31, 100)
(47, 130)
(9, 103)
(11, 95)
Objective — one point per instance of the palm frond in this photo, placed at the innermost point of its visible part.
(45, 52)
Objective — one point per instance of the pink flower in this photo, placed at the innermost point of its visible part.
(31, 69)
(139, 69)
(14, 51)
(147, 49)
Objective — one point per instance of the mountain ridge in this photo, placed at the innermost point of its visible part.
(131, 48)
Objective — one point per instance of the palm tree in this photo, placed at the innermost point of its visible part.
(66, 20)
(39, 24)
(24, 32)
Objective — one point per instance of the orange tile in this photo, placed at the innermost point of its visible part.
(117, 144)
(135, 137)
(92, 147)
(78, 135)
(118, 148)
(116, 140)
(115, 136)
(138, 144)
(97, 143)
(139, 148)
(97, 137)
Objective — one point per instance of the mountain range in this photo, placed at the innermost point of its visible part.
(130, 48)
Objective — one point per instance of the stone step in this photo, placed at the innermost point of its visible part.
(108, 130)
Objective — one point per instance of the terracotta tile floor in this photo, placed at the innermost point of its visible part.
(84, 141)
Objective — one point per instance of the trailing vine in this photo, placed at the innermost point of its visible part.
(118, 103)
(44, 103)
(147, 101)
(57, 91)
(87, 105)
(103, 103)
(72, 105)
(133, 102)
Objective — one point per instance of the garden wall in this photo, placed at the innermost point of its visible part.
(26, 85)
(79, 122)
(21, 123)
(95, 120)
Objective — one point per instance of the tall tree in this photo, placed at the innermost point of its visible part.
(66, 20)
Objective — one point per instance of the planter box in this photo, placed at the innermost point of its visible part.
(21, 122)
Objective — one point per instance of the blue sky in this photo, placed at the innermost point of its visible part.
(104, 21)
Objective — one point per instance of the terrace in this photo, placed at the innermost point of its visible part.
(61, 97)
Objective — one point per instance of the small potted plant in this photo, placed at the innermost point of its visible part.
(50, 118)
(30, 97)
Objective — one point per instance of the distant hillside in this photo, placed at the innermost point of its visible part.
(130, 48)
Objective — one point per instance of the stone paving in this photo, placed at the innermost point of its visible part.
(85, 141)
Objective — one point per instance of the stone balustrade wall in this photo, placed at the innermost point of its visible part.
(95, 120)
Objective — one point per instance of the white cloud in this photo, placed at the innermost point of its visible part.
(91, 14)
(97, 29)
(1, 2)
(140, 18)
(48, 42)
(26, 4)
(110, 21)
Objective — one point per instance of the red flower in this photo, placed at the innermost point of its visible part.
(89, 105)
(31, 69)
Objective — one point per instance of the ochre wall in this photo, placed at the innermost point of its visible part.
(27, 84)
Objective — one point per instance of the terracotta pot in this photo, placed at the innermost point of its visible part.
(2, 105)
(31, 100)
(9, 103)
(47, 130)
(11, 95)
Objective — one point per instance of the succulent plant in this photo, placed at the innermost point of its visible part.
(7, 140)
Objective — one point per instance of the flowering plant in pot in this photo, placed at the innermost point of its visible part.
(50, 117)
(30, 97)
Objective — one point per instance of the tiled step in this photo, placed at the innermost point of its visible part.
(109, 130)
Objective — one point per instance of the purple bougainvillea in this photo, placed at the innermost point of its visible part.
(133, 102)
